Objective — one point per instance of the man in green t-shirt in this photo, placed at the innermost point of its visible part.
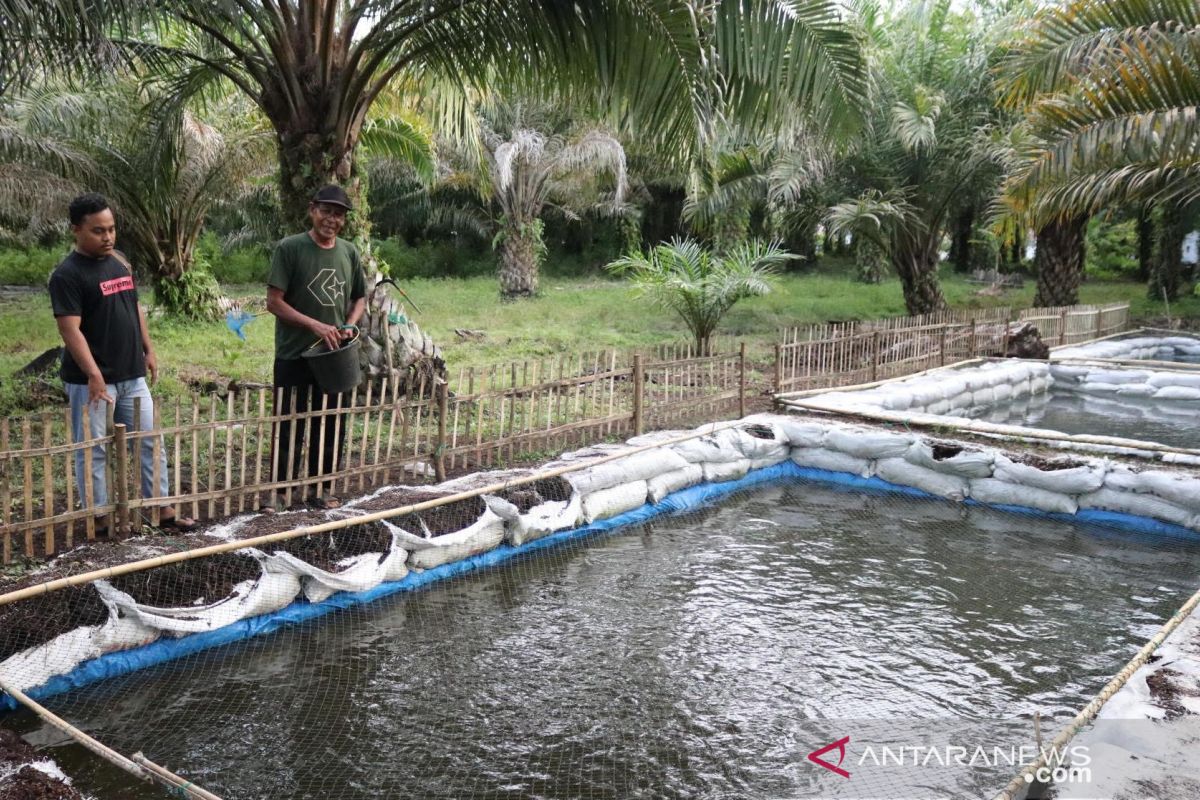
(316, 289)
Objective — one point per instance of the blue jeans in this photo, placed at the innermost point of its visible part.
(123, 392)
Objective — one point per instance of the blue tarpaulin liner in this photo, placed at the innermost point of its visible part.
(168, 649)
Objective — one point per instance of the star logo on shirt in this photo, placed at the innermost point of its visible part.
(328, 288)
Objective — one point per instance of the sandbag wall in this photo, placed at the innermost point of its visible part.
(1158, 348)
(277, 577)
(1127, 382)
(958, 392)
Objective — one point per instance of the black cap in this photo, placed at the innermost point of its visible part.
(334, 195)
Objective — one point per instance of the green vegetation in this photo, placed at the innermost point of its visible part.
(569, 316)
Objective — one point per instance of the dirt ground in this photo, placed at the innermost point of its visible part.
(27, 783)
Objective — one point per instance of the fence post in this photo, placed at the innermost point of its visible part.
(439, 450)
(121, 477)
(875, 356)
(639, 385)
(971, 341)
(742, 380)
(778, 367)
(1099, 322)
(1062, 336)
(942, 346)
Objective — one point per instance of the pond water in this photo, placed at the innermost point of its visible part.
(1174, 423)
(694, 656)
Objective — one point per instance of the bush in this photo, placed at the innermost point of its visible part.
(195, 295)
(31, 267)
(1112, 249)
(241, 265)
(434, 259)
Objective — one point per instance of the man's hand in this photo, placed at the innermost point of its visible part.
(97, 390)
(328, 334)
(152, 366)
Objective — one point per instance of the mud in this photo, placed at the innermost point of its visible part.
(27, 783)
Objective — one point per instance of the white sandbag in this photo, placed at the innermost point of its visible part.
(1141, 505)
(1163, 379)
(479, 537)
(977, 379)
(546, 518)
(726, 471)
(952, 385)
(1177, 393)
(703, 450)
(998, 492)
(1183, 490)
(803, 434)
(615, 500)
(1098, 388)
(868, 444)
(898, 400)
(1002, 392)
(355, 574)
(926, 392)
(983, 398)
(1117, 377)
(939, 408)
(638, 467)
(1073, 480)
(1068, 373)
(60, 655)
(660, 486)
(966, 463)
(1136, 390)
(756, 447)
(903, 472)
(959, 401)
(832, 460)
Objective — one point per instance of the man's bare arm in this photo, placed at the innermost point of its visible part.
(77, 346)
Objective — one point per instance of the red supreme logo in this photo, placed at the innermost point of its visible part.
(124, 284)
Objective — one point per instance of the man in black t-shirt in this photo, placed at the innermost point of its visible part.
(108, 352)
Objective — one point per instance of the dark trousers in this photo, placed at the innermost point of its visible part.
(296, 383)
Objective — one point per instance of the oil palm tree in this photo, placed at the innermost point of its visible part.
(665, 68)
(161, 171)
(687, 278)
(1110, 90)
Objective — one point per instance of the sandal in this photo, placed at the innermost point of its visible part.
(177, 524)
(323, 501)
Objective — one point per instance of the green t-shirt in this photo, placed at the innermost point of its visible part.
(317, 282)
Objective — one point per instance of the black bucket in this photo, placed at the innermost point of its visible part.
(336, 371)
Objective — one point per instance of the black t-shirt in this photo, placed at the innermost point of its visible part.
(102, 293)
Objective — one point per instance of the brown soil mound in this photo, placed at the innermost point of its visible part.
(548, 489)
(39, 619)
(324, 550)
(184, 584)
(28, 783)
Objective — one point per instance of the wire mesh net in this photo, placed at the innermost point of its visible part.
(722, 651)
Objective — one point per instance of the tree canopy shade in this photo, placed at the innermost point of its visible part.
(667, 69)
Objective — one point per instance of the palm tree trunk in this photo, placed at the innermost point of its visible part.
(1167, 267)
(309, 160)
(1145, 238)
(1059, 262)
(519, 255)
(917, 269)
(960, 242)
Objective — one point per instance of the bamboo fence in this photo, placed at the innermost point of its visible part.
(221, 452)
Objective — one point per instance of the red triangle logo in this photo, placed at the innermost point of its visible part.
(840, 746)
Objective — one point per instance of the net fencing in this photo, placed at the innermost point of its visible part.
(754, 630)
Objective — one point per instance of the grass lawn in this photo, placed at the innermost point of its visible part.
(571, 315)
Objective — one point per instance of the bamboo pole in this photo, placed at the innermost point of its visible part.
(245, 445)
(439, 451)
(5, 494)
(48, 482)
(212, 455)
(1021, 783)
(121, 456)
(69, 475)
(742, 379)
(27, 440)
(638, 392)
